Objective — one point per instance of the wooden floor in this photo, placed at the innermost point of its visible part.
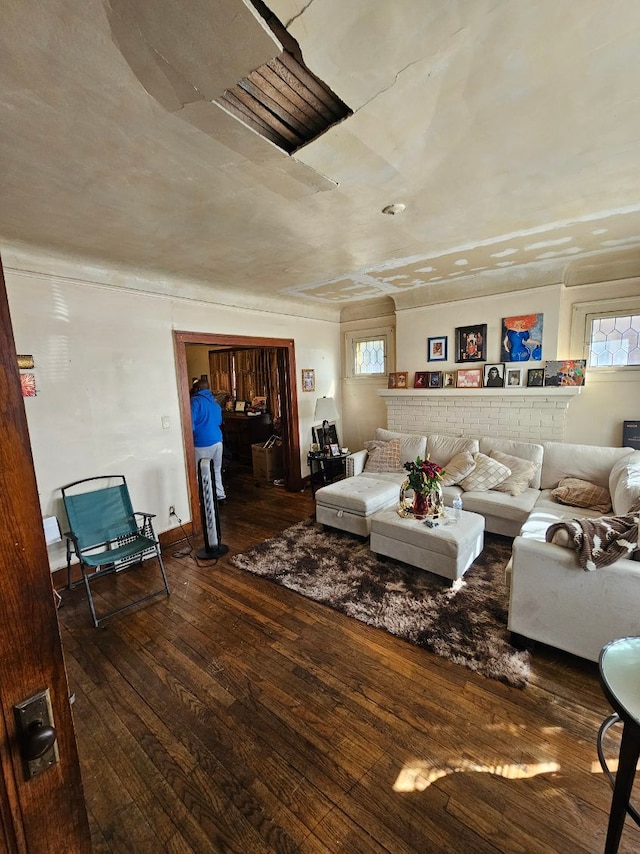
(237, 716)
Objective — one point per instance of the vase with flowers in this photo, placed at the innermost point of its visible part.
(423, 480)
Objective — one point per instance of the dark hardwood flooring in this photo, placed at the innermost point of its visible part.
(237, 716)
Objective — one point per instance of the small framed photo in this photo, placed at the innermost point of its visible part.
(308, 379)
(437, 349)
(420, 379)
(469, 378)
(471, 343)
(335, 450)
(449, 379)
(399, 379)
(240, 406)
(494, 375)
(535, 377)
(514, 377)
(435, 379)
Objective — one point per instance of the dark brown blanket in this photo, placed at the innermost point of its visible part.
(601, 541)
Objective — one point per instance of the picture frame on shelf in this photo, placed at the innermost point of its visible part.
(514, 377)
(420, 379)
(435, 379)
(399, 379)
(240, 406)
(449, 379)
(437, 349)
(335, 450)
(322, 440)
(493, 375)
(535, 377)
(565, 373)
(308, 379)
(471, 343)
(469, 378)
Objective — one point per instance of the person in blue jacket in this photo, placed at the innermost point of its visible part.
(206, 422)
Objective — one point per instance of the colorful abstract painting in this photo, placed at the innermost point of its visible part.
(522, 338)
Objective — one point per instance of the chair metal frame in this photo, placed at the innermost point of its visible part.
(107, 536)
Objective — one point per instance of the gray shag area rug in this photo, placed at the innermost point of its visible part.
(465, 622)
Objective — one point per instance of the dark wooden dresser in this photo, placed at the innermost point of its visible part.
(241, 431)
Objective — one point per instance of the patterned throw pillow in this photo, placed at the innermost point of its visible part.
(458, 467)
(522, 471)
(383, 456)
(581, 493)
(487, 474)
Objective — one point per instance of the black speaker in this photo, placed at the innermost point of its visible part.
(213, 547)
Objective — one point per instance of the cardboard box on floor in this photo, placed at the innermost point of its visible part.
(267, 462)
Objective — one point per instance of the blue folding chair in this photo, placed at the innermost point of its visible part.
(106, 535)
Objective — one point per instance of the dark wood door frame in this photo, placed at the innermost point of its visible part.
(288, 396)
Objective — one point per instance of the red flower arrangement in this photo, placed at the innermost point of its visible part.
(424, 476)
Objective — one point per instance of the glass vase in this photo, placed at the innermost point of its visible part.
(428, 504)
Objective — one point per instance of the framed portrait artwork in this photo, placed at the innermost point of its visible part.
(535, 377)
(514, 377)
(493, 375)
(522, 338)
(471, 343)
(437, 349)
(308, 379)
(399, 379)
(449, 379)
(469, 378)
(420, 379)
(435, 379)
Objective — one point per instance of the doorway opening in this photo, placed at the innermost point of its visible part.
(287, 394)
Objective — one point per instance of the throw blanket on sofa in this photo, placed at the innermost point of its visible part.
(602, 541)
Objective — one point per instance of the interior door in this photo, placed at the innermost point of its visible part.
(47, 813)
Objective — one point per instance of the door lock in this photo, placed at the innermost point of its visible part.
(36, 733)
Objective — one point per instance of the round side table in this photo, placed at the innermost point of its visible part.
(619, 664)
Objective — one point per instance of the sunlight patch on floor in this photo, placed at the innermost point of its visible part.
(418, 776)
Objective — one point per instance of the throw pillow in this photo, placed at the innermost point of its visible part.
(487, 474)
(458, 467)
(383, 456)
(522, 472)
(581, 493)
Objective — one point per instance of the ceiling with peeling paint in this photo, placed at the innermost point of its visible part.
(509, 130)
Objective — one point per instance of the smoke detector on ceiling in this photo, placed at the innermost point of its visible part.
(393, 209)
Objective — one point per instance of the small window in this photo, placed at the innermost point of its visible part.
(367, 354)
(614, 340)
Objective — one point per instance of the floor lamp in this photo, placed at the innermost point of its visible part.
(325, 411)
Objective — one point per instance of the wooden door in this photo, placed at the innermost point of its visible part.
(46, 814)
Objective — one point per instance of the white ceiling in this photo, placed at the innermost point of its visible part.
(509, 129)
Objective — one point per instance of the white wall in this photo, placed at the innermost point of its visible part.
(105, 377)
(595, 416)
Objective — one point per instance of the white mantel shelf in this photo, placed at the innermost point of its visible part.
(550, 392)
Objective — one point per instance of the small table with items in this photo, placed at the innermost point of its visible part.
(325, 468)
(619, 664)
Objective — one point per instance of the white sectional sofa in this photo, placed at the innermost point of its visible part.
(553, 600)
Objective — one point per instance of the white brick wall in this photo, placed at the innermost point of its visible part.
(533, 415)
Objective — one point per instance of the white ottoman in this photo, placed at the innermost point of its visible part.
(350, 504)
(447, 550)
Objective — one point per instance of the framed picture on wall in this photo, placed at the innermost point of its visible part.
(437, 349)
(449, 379)
(514, 377)
(471, 343)
(435, 379)
(308, 379)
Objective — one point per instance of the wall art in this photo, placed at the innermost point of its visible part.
(437, 349)
(471, 343)
(522, 338)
